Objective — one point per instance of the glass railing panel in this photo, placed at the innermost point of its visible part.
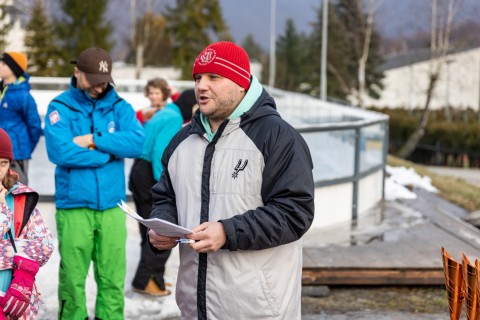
(371, 144)
(332, 153)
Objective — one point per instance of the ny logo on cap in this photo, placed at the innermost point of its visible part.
(103, 66)
(207, 57)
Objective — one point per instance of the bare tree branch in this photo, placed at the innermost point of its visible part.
(440, 36)
(339, 78)
(362, 62)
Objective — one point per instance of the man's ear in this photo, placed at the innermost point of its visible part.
(76, 72)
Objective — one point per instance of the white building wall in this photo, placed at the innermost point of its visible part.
(333, 204)
(333, 216)
(15, 38)
(16, 35)
(458, 86)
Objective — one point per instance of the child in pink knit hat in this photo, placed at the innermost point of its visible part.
(25, 240)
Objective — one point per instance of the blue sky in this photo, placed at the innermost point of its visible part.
(253, 16)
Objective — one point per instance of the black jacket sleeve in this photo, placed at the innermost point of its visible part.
(287, 191)
(163, 196)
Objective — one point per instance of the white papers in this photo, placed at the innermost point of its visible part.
(162, 227)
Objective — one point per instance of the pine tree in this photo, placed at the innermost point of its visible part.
(43, 55)
(256, 54)
(254, 50)
(291, 58)
(353, 18)
(82, 26)
(338, 76)
(151, 31)
(193, 25)
(346, 36)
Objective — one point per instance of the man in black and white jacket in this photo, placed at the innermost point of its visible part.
(241, 178)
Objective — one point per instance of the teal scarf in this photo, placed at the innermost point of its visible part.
(250, 98)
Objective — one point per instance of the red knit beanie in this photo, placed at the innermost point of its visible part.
(225, 59)
(6, 150)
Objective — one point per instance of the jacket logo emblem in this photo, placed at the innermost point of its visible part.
(111, 127)
(54, 117)
(239, 167)
(207, 57)
(103, 66)
(5, 105)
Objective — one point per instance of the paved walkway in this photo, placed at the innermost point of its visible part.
(470, 175)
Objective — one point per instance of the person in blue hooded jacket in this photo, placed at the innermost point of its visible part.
(89, 130)
(18, 111)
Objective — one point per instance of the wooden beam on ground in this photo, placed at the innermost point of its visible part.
(355, 276)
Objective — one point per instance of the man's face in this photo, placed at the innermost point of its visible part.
(5, 72)
(217, 96)
(83, 84)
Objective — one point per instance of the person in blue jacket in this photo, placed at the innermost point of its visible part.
(146, 171)
(18, 111)
(89, 130)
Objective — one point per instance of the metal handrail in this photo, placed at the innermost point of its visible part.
(358, 174)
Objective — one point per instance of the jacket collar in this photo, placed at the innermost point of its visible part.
(263, 106)
(83, 94)
(20, 188)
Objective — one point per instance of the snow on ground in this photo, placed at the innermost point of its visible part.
(141, 307)
(400, 180)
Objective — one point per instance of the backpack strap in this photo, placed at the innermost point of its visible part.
(19, 211)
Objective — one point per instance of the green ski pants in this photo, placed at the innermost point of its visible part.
(86, 235)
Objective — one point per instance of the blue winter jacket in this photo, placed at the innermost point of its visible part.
(159, 130)
(19, 118)
(91, 178)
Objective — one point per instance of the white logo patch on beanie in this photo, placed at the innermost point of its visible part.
(225, 59)
(207, 57)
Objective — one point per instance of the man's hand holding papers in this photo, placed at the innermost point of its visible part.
(160, 226)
